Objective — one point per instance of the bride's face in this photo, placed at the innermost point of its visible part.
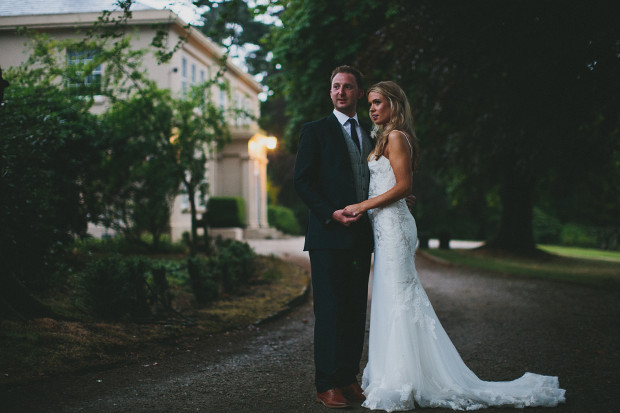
(379, 108)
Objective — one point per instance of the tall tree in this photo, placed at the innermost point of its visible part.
(233, 23)
(519, 82)
(200, 130)
(513, 97)
(140, 167)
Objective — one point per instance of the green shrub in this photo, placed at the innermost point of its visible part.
(120, 245)
(230, 267)
(608, 238)
(50, 148)
(205, 277)
(115, 244)
(226, 212)
(160, 287)
(283, 219)
(237, 260)
(547, 228)
(116, 287)
(165, 245)
(577, 236)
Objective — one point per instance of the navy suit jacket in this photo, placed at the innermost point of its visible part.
(324, 181)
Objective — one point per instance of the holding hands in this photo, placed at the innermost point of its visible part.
(410, 200)
(345, 218)
(352, 213)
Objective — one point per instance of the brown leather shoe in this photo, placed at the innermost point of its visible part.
(353, 392)
(333, 399)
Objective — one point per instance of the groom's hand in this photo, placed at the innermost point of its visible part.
(410, 200)
(346, 220)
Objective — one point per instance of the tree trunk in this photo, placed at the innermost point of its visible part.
(206, 238)
(515, 232)
(192, 210)
(16, 302)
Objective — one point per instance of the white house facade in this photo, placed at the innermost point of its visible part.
(237, 170)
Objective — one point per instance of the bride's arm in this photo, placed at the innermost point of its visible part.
(398, 153)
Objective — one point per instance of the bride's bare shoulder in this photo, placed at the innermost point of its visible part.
(398, 134)
(397, 141)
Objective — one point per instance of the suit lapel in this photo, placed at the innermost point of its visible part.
(337, 136)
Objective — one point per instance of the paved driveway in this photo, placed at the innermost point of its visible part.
(502, 326)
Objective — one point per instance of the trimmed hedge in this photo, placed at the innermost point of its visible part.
(225, 212)
(283, 219)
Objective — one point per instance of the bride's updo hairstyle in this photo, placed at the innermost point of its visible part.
(401, 119)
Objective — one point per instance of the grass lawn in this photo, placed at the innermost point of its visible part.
(589, 253)
(580, 265)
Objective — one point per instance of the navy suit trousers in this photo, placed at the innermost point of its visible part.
(340, 291)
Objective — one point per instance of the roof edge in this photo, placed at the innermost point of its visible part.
(139, 17)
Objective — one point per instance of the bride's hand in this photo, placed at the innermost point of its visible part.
(354, 210)
(344, 218)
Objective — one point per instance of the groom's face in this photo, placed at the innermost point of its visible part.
(345, 93)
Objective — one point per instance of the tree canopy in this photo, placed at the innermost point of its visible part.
(233, 23)
(516, 98)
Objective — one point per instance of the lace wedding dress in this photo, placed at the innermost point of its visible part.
(412, 361)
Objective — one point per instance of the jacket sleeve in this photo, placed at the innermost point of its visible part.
(307, 177)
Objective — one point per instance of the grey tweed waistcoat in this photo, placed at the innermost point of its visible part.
(359, 163)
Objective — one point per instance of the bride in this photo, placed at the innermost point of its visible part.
(411, 360)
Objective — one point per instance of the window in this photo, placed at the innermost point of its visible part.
(246, 106)
(193, 73)
(82, 62)
(183, 76)
(202, 76)
(239, 119)
(222, 99)
(184, 202)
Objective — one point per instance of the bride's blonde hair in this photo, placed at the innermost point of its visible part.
(401, 119)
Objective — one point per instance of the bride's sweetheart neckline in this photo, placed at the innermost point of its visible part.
(377, 160)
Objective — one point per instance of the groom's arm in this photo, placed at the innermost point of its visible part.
(307, 175)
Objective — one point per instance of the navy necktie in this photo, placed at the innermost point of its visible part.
(354, 136)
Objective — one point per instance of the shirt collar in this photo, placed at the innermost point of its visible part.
(342, 118)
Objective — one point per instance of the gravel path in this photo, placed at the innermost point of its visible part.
(502, 326)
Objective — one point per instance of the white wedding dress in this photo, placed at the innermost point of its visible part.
(411, 360)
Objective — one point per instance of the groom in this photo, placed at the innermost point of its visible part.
(331, 172)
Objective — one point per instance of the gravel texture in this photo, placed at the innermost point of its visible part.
(502, 326)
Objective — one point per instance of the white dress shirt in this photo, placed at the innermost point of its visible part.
(344, 121)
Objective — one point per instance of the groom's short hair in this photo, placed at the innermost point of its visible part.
(359, 77)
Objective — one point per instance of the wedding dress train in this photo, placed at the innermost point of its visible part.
(412, 361)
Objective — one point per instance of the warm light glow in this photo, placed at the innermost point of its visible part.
(271, 142)
(258, 145)
(175, 135)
